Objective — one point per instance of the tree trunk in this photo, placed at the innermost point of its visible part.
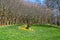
(28, 23)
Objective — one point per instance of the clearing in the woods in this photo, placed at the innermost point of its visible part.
(41, 32)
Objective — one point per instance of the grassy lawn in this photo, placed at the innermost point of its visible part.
(41, 32)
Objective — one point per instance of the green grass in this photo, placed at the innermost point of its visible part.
(42, 32)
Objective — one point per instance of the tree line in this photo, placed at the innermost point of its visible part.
(17, 11)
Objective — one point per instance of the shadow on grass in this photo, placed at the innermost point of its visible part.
(49, 26)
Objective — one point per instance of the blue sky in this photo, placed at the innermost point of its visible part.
(38, 1)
